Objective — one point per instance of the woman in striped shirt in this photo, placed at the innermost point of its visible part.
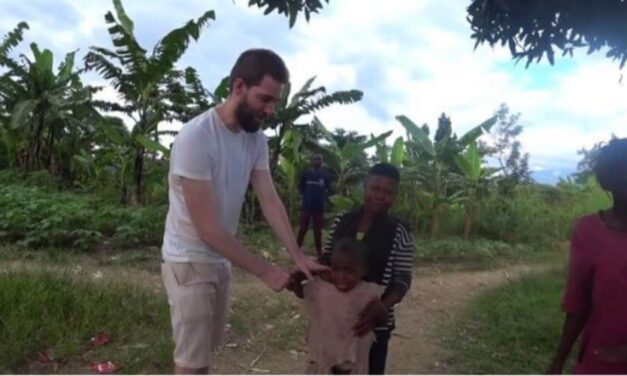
(390, 256)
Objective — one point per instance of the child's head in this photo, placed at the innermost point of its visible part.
(348, 263)
(611, 168)
(380, 188)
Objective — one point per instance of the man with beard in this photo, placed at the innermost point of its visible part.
(214, 158)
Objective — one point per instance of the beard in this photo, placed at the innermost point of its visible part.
(246, 118)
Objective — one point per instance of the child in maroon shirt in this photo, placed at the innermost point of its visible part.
(595, 299)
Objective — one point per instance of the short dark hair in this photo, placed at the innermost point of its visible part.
(352, 249)
(610, 162)
(385, 169)
(252, 65)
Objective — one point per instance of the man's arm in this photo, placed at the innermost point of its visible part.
(274, 212)
(201, 205)
(302, 182)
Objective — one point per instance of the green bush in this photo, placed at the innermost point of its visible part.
(538, 214)
(35, 217)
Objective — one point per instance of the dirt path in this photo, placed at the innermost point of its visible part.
(434, 298)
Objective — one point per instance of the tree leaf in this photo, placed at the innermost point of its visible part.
(477, 131)
(125, 20)
(398, 152)
(417, 135)
(151, 145)
(21, 111)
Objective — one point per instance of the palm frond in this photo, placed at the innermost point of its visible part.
(12, 39)
(170, 49)
(340, 97)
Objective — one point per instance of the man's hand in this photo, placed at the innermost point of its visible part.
(275, 278)
(372, 315)
(309, 266)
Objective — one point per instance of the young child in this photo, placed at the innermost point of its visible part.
(595, 299)
(333, 303)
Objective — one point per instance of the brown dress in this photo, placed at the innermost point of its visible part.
(332, 315)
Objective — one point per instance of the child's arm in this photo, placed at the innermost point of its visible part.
(577, 297)
(373, 315)
(295, 284)
(573, 325)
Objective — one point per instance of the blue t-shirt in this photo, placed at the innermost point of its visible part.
(314, 186)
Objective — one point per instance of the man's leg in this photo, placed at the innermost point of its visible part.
(318, 224)
(191, 290)
(303, 227)
(379, 353)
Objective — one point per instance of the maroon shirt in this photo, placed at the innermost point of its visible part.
(597, 285)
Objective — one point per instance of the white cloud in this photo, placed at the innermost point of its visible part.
(410, 57)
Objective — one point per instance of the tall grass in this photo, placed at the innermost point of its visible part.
(45, 312)
(513, 329)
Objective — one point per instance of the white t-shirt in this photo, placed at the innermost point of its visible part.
(205, 149)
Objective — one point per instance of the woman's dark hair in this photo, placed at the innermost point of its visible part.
(385, 169)
(611, 162)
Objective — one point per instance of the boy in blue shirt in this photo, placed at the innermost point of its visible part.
(314, 187)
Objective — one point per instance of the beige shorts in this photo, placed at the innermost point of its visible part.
(198, 295)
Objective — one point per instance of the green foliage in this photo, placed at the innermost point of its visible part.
(434, 164)
(290, 8)
(151, 88)
(306, 101)
(535, 28)
(45, 115)
(12, 39)
(539, 214)
(514, 329)
(37, 217)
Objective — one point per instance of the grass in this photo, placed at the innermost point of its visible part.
(42, 311)
(272, 320)
(61, 308)
(513, 329)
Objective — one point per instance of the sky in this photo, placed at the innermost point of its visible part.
(409, 57)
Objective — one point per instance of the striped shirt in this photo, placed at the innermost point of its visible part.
(391, 251)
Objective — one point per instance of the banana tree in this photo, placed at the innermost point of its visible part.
(304, 102)
(432, 163)
(394, 155)
(43, 111)
(151, 89)
(293, 162)
(475, 181)
(341, 159)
